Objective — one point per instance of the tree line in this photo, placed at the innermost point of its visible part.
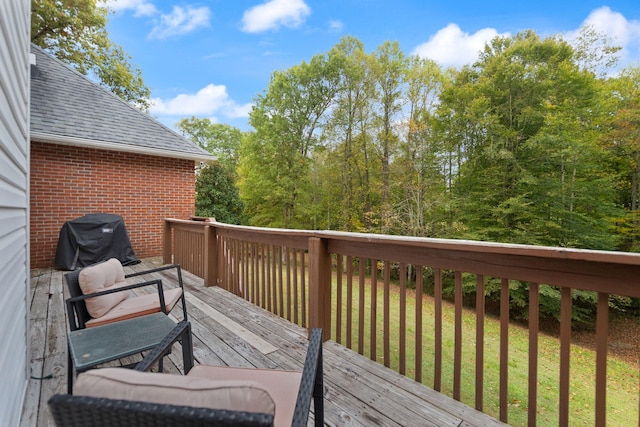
(535, 143)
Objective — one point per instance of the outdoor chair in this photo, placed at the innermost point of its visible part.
(206, 396)
(100, 294)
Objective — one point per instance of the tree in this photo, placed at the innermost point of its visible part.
(623, 142)
(531, 166)
(276, 160)
(216, 194)
(221, 140)
(419, 198)
(530, 119)
(594, 51)
(388, 69)
(347, 167)
(74, 31)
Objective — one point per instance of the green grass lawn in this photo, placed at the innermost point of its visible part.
(623, 378)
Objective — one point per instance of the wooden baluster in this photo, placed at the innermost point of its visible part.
(602, 340)
(419, 321)
(565, 355)
(479, 342)
(534, 313)
(457, 341)
(373, 351)
(386, 315)
(504, 350)
(403, 320)
(361, 311)
(437, 314)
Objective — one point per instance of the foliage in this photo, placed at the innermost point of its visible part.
(74, 31)
(388, 70)
(535, 144)
(221, 140)
(419, 197)
(536, 104)
(623, 143)
(594, 51)
(345, 168)
(216, 194)
(275, 183)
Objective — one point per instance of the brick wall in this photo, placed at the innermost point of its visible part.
(68, 182)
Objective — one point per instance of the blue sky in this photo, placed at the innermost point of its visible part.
(210, 58)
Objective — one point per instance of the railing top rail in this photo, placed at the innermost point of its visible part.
(488, 247)
(610, 257)
(259, 230)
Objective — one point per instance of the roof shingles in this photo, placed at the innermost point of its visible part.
(67, 107)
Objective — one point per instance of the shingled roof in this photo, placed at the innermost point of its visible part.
(68, 108)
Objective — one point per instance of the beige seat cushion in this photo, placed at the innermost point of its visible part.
(138, 306)
(99, 277)
(121, 383)
(282, 386)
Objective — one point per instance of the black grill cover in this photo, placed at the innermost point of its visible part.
(93, 238)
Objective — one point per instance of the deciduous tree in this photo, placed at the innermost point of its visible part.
(221, 140)
(388, 69)
(527, 172)
(74, 31)
(419, 196)
(216, 194)
(275, 162)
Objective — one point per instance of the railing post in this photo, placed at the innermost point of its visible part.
(210, 256)
(166, 243)
(319, 286)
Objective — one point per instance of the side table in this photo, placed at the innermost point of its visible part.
(90, 347)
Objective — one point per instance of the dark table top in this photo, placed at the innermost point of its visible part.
(93, 346)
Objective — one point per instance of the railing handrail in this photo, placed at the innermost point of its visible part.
(593, 255)
(541, 264)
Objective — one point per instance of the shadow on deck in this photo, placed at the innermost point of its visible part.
(230, 331)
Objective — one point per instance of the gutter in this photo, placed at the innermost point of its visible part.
(114, 146)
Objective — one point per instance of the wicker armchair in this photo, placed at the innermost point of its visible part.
(121, 308)
(78, 410)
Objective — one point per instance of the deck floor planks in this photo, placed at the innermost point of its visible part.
(373, 396)
(358, 391)
(39, 292)
(386, 397)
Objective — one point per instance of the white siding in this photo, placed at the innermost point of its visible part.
(14, 207)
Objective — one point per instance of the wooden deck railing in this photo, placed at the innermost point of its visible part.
(324, 279)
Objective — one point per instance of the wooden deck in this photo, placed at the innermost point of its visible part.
(230, 331)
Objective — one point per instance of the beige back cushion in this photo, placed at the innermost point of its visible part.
(282, 386)
(100, 277)
(141, 305)
(121, 383)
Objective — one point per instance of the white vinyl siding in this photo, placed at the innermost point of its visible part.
(14, 207)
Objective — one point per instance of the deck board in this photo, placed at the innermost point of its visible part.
(230, 331)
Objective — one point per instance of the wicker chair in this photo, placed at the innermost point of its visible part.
(164, 300)
(77, 410)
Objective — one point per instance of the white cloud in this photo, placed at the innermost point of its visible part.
(336, 26)
(450, 46)
(239, 111)
(139, 7)
(181, 21)
(620, 30)
(209, 101)
(614, 24)
(274, 14)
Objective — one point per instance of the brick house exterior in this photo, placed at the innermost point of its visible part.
(93, 153)
(68, 182)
